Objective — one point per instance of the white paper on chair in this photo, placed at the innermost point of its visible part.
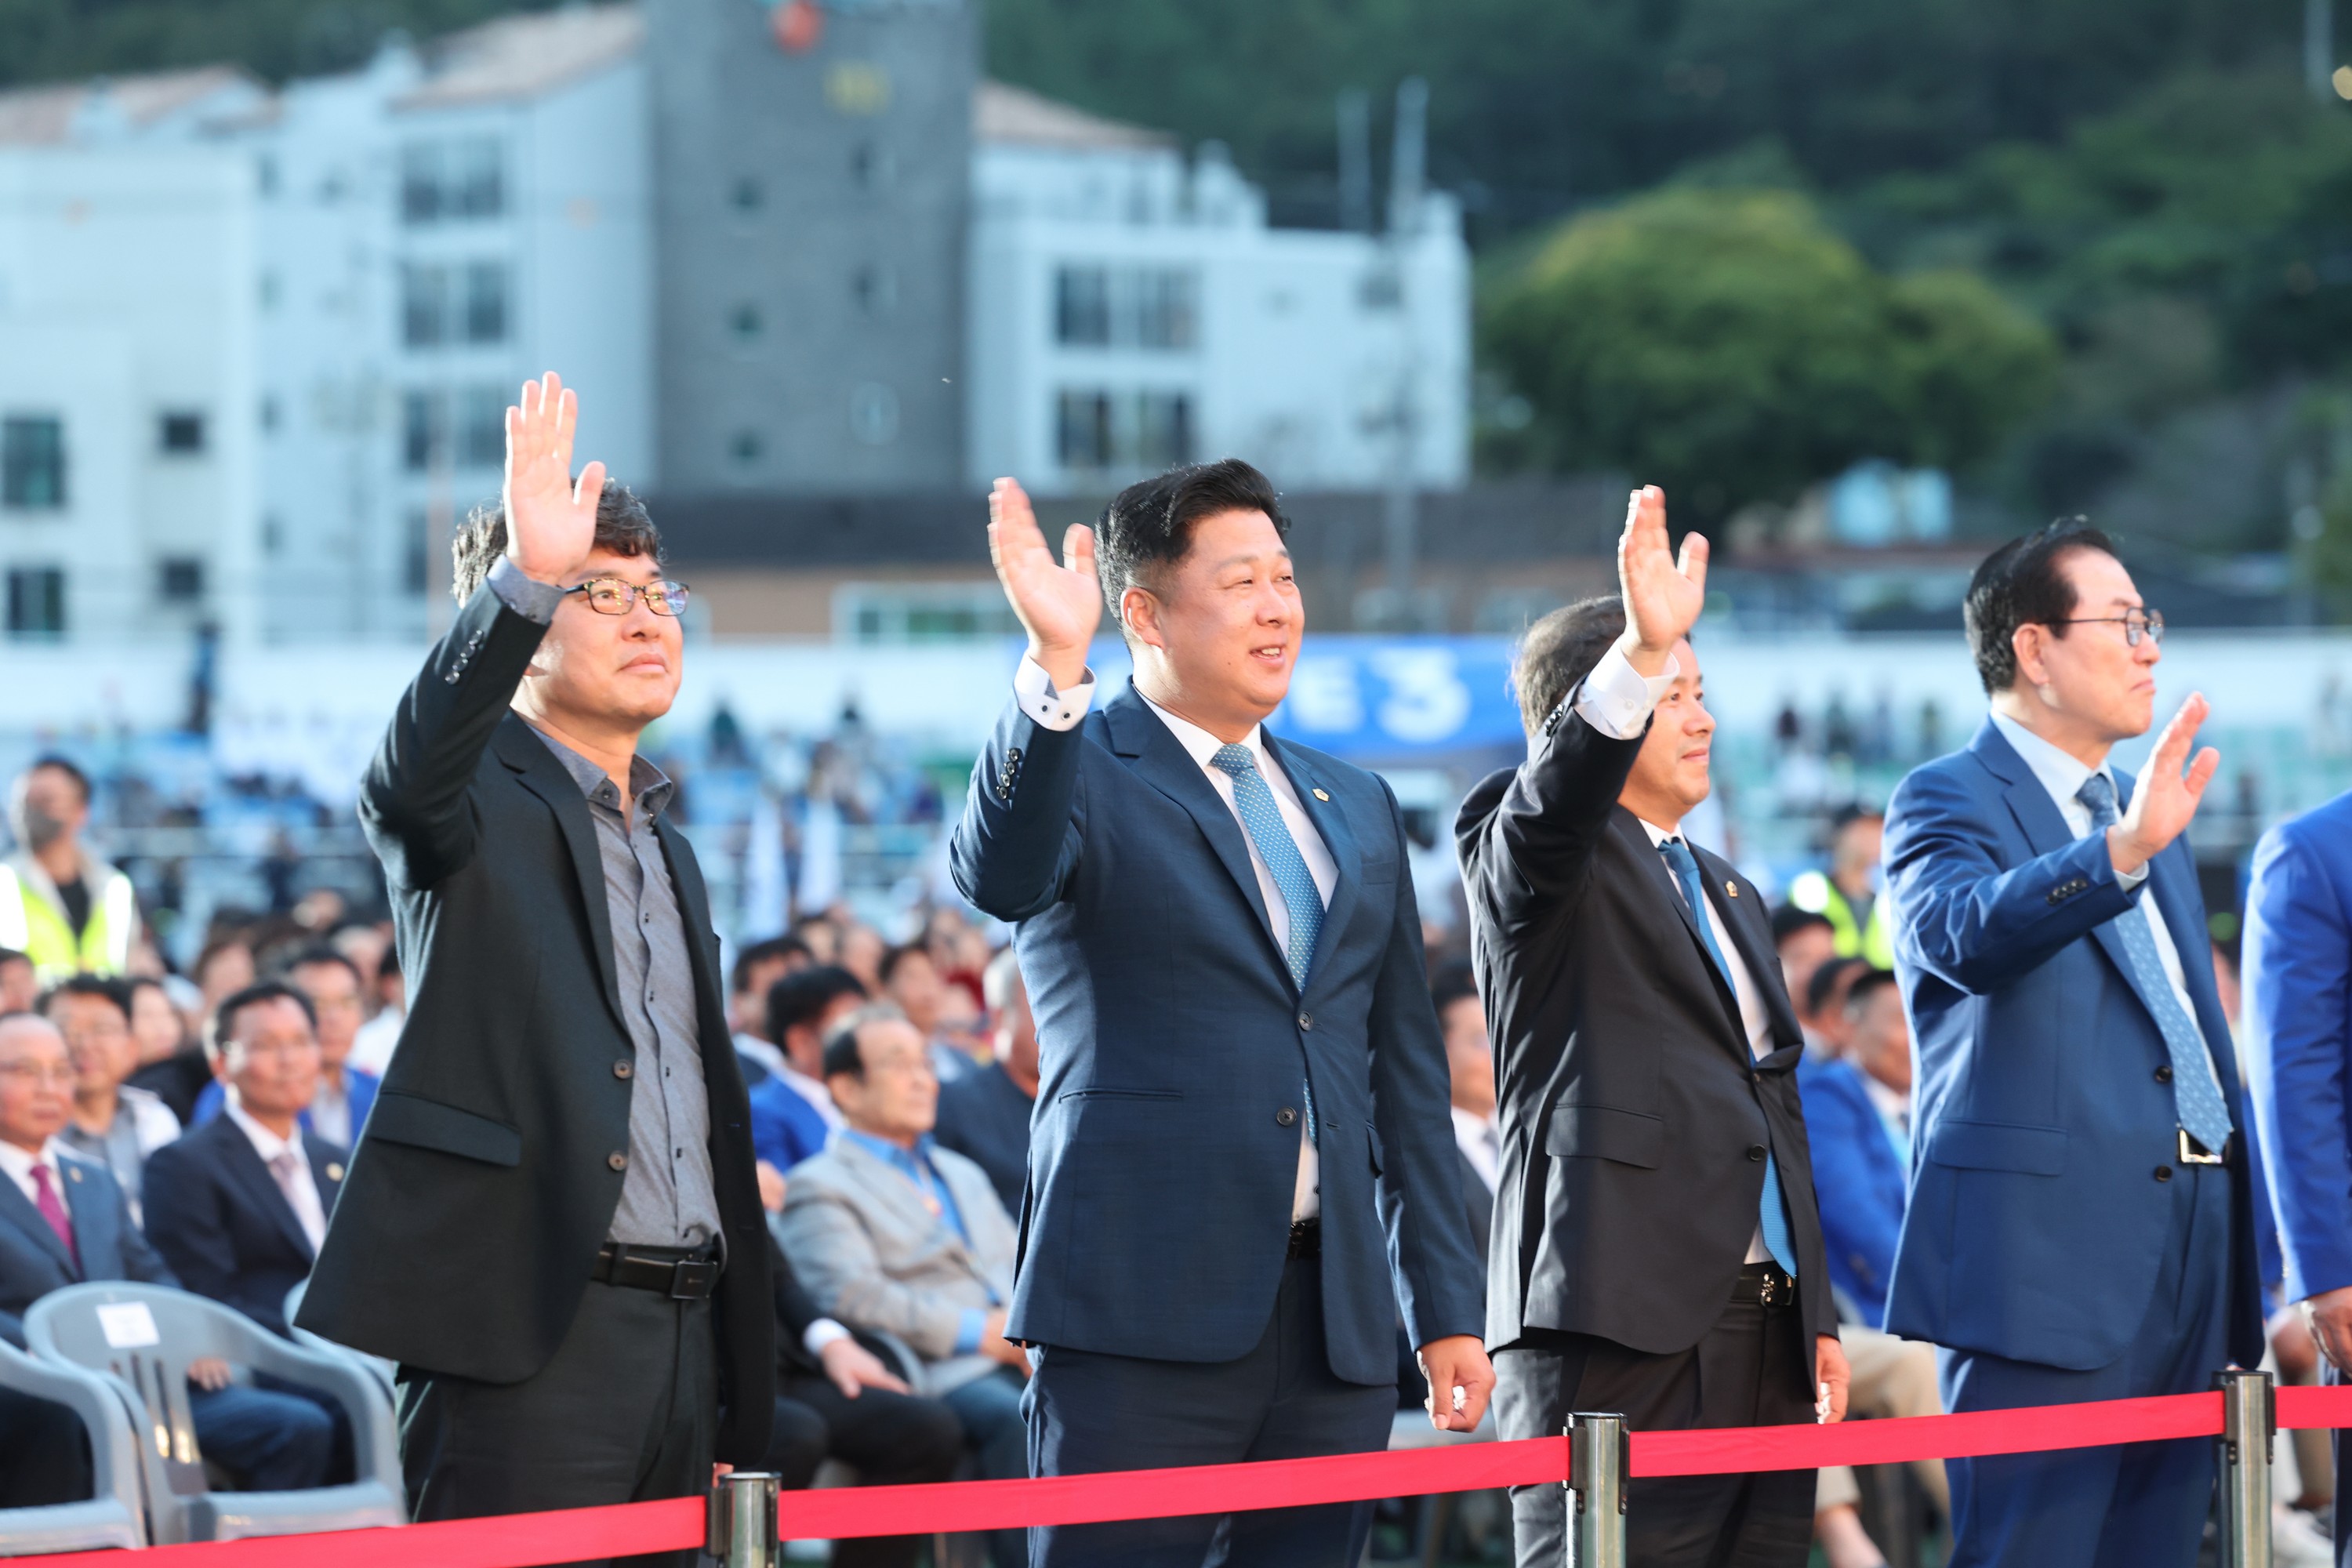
(128, 1325)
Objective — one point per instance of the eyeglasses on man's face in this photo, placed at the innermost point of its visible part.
(2136, 625)
(611, 596)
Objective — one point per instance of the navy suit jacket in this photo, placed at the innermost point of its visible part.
(2044, 1106)
(2298, 972)
(1172, 1044)
(214, 1212)
(34, 1262)
(1858, 1181)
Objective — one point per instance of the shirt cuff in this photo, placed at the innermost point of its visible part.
(820, 1333)
(526, 597)
(1034, 689)
(971, 1323)
(1616, 698)
(2129, 881)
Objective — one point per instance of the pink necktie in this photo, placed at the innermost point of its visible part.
(52, 1209)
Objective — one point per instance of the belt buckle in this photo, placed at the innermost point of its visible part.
(1767, 1294)
(688, 1273)
(2192, 1152)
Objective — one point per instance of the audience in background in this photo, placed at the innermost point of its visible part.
(171, 1065)
(859, 947)
(1846, 893)
(69, 911)
(758, 968)
(1470, 1064)
(238, 1206)
(223, 969)
(20, 983)
(894, 1235)
(113, 1122)
(911, 982)
(792, 1113)
(1804, 941)
(371, 1051)
(984, 1115)
(332, 982)
(1823, 1016)
(1857, 1118)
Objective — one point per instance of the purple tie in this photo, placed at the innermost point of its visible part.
(52, 1209)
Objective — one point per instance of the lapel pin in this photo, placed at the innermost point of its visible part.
(72, 1175)
(334, 1172)
(1732, 888)
(1321, 796)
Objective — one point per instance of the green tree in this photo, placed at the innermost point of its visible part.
(1726, 345)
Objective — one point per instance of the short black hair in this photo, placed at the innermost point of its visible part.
(255, 995)
(622, 527)
(1560, 650)
(65, 765)
(841, 1052)
(891, 958)
(1789, 920)
(2021, 584)
(1824, 983)
(1454, 981)
(1869, 981)
(97, 986)
(9, 955)
(1148, 527)
(802, 996)
(759, 953)
(320, 953)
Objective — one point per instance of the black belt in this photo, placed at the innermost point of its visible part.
(2190, 1152)
(683, 1274)
(1763, 1285)
(1306, 1238)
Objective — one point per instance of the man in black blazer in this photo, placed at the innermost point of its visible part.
(1240, 1167)
(553, 1221)
(239, 1206)
(1656, 1248)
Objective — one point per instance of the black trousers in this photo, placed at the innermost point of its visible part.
(44, 1453)
(626, 1411)
(1752, 1369)
(892, 1440)
(1089, 1413)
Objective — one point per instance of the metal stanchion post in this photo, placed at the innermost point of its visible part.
(2248, 1422)
(1598, 1453)
(743, 1527)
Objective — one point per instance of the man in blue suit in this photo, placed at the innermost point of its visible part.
(64, 1221)
(2080, 1225)
(1857, 1116)
(2298, 1002)
(1242, 1113)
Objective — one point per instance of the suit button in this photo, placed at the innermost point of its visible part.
(2164, 1074)
(2164, 1172)
(622, 1070)
(1756, 1152)
(1285, 1117)
(618, 1161)
(1306, 1020)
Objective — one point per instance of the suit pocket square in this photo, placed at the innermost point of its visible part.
(2000, 1146)
(429, 1124)
(1603, 1131)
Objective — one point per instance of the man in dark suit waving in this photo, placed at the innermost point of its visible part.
(553, 1220)
(1240, 1111)
(1657, 1250)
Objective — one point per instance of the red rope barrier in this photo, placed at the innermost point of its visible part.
(526, 1540)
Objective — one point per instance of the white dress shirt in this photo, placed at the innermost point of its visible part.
(331, 1111)
(1480, 1142)
(2064, 776)
(301, 1189)
(18, 1163)
(1034, 689)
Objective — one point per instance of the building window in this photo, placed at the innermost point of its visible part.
(874, 414)
(1098, 429)
(33, 462)
(420, 183)
(269, 413)
(459, 180)
(37, 602)
(485, 302)
(745, 448)
(1082, 306)
(423, 305)
(876, 289)
(870, 166)
(180, 580)
(265, 175)
(411, 555)
(421, 415)
(743, 322)
(482, 427)
(746, 195)
(182, 432)
(1126, 306)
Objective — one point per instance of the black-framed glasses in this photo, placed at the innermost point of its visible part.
(2137, 623)
(611, 596)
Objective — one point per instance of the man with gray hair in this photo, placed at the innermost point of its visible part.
(984, 1115)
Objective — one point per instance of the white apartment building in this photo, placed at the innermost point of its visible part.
(1128, 310)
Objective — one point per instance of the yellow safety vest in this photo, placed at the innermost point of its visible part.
(32, 925)
(1816, 894)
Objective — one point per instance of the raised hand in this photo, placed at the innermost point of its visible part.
(2169, 792)
(1059, 606)
(1663, 595)
(551, 520)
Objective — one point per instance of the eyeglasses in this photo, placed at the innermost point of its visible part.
(33, 1072)
(2137, 623)
(611, 596)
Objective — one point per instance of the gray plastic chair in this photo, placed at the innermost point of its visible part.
(148, 1370)
(116, 1516)
(382, 1371)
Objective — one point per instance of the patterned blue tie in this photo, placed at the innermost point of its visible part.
(1301, 899)
(2196, 1092)
(1771, 1209)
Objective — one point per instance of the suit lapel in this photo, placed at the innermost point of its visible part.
(326, 1172)
(1653, 870)
(93, 1222)
(537, 770)
(1330, 820)
(16, 1209)
(243, 1164)
(1740, 917)
(898, 1190)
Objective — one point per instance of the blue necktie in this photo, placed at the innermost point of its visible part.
(1772, 1213)
(1301, 899)
(2196, 1092)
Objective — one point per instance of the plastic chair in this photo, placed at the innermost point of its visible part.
(376, 1366)
(140, 1340)
(116, 1516)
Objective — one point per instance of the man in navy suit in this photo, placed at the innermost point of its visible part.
(1241, 1104)
(2298, 999)
(238, 1206)
(2080, 1224)
(64, 1221)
